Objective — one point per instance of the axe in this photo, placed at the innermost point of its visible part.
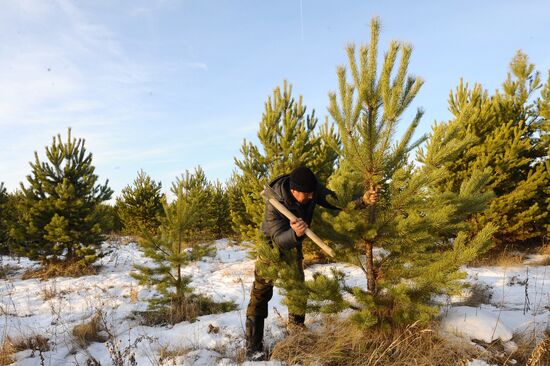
(268, 195)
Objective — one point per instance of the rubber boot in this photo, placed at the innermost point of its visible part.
(254, 338)
(295, 319)
(296, 323)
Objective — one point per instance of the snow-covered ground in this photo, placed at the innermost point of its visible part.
(519, 303)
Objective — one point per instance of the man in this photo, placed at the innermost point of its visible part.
(300, 192)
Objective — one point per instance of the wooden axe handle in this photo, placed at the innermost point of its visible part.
(289, 215)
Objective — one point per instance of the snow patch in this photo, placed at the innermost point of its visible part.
(475, 324)
(477, 362)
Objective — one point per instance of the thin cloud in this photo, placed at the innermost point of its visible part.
(140, 11)
(196, 65)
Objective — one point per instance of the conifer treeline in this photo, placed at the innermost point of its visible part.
(62, 214)
(506, 132)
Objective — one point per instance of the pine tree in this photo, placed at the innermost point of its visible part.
(59, 217)
(412, 220)
(181, 238)
(12, 213)
(544, 111)
(237, 209)
(289, 138)
(140, 205)
(4, 231)
(507, 135)
(322, 294)
(219, 204)
(109, 219)
(9, 217)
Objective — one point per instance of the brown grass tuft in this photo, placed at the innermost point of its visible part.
(9, 347)
(545, 249)
(61, 269)
(500, 259)
(187, 308)
(50, 291)
(532, 351)
(118, 239)
(170, 354)
(134, 295)
(545, 261)
(341, 343)
(7, 350)
(88, 332)
(240, 356)
(35, 343)
(541, 353)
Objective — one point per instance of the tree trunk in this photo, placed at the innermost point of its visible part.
(178, 285)
(371, 278)
(369, 244)
(70, 254)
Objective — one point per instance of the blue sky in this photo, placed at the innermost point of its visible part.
(166, 85)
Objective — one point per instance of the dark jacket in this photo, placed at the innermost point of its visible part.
(276, 226)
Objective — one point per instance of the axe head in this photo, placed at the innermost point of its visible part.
(268, 193)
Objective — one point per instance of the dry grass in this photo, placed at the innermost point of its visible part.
(480, 293)
(10, 347)
(35, 343)
(187, 308)
(61, 269)
(501, 259)
(118, 239)
(311, 259)
(50, 291)
(89, 332)
(541, 256)
(240, 356)
(532, 352)
(170, 354)
(541, 353)
(545, 261)
(511, 258)
(7, 271)
(313, 254)
(545, 249)
(7, 350)
(134, 295)
(340, 343)
(125, 356)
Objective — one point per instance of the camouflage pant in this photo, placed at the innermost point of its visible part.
(262, 292)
